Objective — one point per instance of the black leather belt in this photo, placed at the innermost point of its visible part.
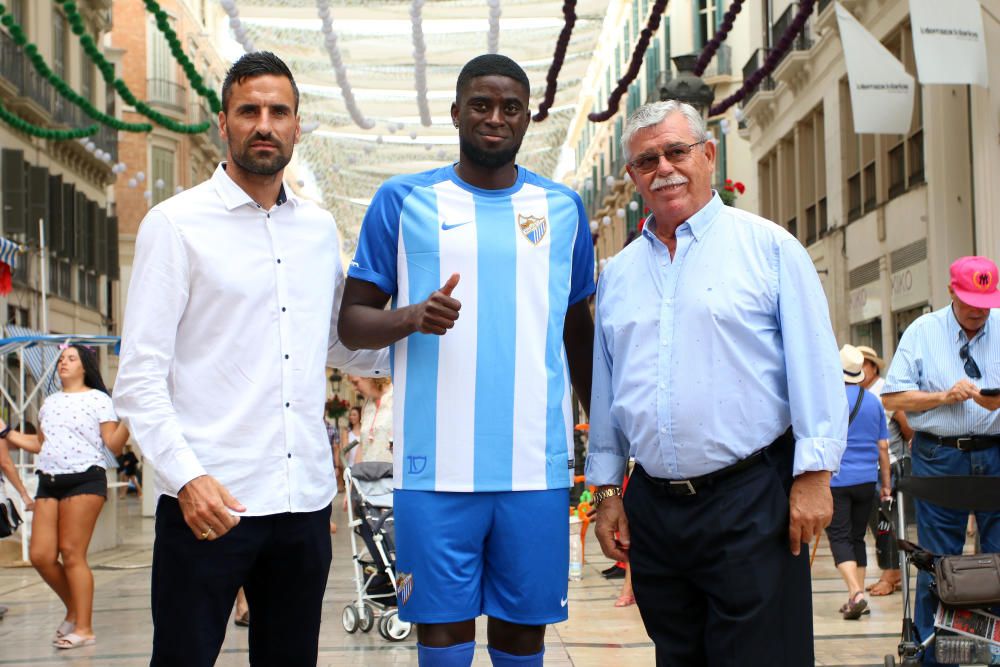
(690, 487)
(964, 443)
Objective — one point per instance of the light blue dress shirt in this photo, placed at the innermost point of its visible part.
(927, 360)
(704, 359)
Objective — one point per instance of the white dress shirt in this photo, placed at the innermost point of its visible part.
(230, 323)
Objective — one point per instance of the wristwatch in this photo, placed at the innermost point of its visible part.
(4, 433)
(604, 494)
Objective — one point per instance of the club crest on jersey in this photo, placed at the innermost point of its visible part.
(404, 586)
(532, 227)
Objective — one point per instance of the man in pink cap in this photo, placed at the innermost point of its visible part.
(944, 361)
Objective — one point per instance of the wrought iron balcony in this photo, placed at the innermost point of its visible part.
(755, 62)
(803, 41)
(167, 94)
(11, 61)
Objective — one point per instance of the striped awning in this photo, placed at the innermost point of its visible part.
(41, 351)
(8, 252)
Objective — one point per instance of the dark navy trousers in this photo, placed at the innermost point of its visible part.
(281, 561)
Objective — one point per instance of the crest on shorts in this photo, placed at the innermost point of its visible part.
(404, 586)
(532, 227)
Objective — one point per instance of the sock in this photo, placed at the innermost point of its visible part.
(457, 655)
(501, 659)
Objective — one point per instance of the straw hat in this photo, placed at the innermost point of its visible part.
(852, 361)
(872, 356)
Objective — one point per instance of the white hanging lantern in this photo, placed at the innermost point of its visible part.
(594, 226)
(606, 220)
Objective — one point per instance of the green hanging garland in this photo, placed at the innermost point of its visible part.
(22, 125)
(108, 73)
(43, 69)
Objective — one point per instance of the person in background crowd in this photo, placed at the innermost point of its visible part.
(9, 471)
(350, 437)
(900, 435)
(375, 442)
(854, 486)
(128, 471)
(715, 362)
(229, 327)
(943, 361)
(76, 425)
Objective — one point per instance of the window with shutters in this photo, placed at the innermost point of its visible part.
(59, 31)
(163, 88)
(707, 19)
(15, 192)
(162, 183)
(38, 202)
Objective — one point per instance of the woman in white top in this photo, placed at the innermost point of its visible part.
(76, 425)
(376, 418)
(351, 437)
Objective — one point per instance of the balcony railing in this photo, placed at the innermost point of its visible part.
(803, 41)
(755, 62)
(11, 61)
(166, 93)
(37, 88)
(203, 114)
(722, 63)
(107, 139)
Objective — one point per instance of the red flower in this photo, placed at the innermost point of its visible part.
(728, 188)
(742, 188)
(729, 181)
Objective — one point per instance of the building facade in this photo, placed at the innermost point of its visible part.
(599, 173)
(161, 163)
(883, 216)
(64, 184)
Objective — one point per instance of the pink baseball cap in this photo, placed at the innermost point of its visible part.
(975, 281)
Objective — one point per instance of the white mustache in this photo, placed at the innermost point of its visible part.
(668, 181)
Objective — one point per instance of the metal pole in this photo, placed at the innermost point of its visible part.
(26, 530)
(44, 275)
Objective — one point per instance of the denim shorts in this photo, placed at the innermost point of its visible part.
(93, 481)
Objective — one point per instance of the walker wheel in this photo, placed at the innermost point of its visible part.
(367, 618)
(350, 619)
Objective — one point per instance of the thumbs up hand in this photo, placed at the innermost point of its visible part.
(439, 312)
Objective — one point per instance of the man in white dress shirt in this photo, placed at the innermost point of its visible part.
(231, 319)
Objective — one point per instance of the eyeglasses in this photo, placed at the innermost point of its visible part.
(971, 368)
(675, 154)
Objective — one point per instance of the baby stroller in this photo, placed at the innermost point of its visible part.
(369, 512)
(971, 622)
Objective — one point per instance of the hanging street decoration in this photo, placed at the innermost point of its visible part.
(493, 38)
(22, 125)
(636, 63)
(330, 41)
(239, 30)
(558, 58)
(420, 63)
(772, 61)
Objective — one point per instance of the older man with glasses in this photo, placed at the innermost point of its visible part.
(944, 367)
(715, 360)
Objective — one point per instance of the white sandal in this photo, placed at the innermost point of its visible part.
(73, 640)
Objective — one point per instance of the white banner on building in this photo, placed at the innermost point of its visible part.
(881, 90)
(948, 41)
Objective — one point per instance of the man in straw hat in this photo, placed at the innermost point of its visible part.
(942, 365)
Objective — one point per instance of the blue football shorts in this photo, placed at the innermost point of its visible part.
(504, 554)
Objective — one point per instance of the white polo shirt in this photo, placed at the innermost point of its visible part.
(230, 323)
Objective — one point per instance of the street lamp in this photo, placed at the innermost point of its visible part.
(687, 86)
(335, 379)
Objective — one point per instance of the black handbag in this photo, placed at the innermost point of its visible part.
(968, 581)
(9, 518)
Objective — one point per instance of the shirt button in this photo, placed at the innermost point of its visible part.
(286, 356)
(279, 261)
(663, 429)
(664, 342)
(289, 455)
(663, 385)
(283, 309)
(288, 405)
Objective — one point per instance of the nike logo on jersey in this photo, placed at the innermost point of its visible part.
(445, 226)
(562, 602)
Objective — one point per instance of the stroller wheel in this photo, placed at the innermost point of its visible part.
(890, 661)
(392, 628)
(367, 618)
(350, 619)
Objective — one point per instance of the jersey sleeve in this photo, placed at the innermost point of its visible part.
(378, 243)
(582, 282)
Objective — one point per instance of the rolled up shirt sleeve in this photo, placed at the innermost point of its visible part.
(608, 449)
(816, 397)
(905, 370)
(158, 294)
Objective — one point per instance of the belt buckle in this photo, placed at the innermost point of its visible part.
(682, 487)
(958, 444)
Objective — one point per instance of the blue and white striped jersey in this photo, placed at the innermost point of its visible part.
(486, 407)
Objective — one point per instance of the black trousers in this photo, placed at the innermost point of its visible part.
(281, 560)
(712, 573)
(852, 505)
